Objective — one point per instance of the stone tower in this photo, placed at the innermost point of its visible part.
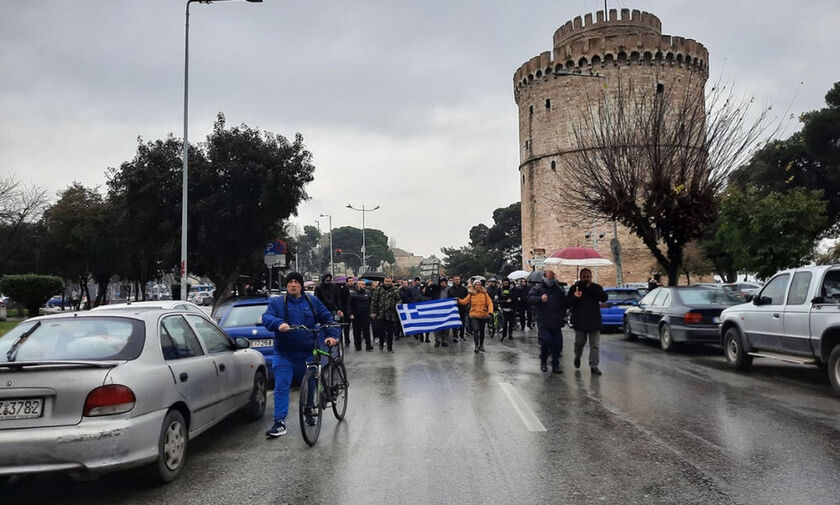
(625, 48)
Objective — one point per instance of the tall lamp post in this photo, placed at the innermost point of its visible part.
(186, 145)
(332, 265)
(364, 248)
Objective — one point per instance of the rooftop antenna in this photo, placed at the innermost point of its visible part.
(605, 10)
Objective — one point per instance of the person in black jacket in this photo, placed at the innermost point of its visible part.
(525, 310)
(328, 293)
(344, 295)
(550, 306)
(458, 290)
(585, 299)
(358, 309)
(507, 304)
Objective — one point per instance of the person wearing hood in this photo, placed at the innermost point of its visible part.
(550, 307)
(526, 312)
(344, 291)
(293, 347)
(585, 298)
(358, 310)
(507, 304)
(329, 295)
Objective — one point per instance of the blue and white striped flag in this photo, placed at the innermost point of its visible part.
(433, 315)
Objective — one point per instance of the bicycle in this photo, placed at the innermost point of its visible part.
(322, 385)
(495, 323)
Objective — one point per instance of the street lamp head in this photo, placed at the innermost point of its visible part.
(375, 207)
(349, 206)
(254, 1)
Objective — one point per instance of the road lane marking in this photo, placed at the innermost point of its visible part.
(532, 423)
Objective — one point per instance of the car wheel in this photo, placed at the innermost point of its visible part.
(834, 368)
(666, 339)
(255, 409)
(733, 349)
(172, 449)
(628, 335)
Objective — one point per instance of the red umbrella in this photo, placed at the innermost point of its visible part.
(577, 257)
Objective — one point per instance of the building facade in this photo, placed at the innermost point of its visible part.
(554, 90)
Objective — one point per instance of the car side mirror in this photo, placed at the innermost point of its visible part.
(641, 305)
(242, 343)
(817, 299)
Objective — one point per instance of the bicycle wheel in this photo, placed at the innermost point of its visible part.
(310, 408)
(339, 390)
(491, 325)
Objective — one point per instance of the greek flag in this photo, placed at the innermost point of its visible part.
(433, 315)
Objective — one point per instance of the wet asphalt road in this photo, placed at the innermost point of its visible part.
(439, 426)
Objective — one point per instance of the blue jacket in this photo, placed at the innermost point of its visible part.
(300, 312)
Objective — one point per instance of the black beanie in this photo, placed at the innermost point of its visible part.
(294, 276)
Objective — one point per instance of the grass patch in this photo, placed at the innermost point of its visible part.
(6, 326)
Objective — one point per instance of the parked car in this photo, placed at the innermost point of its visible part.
(154, 304)
(203, 298)
(4, 301)
(244, 319)
(93, 392)
(55, 301)
(618, 300)
(794, 318)
(730, 288)
(221, 309)
(678, 314)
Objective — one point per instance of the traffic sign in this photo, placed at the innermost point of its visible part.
(269, 259)
(273, 260)
(276, 247)
(538, 262)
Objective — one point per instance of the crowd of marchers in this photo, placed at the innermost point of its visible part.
(370, 310)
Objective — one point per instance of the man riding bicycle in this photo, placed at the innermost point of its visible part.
(293, 347)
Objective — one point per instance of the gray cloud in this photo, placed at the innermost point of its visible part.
(404, 104)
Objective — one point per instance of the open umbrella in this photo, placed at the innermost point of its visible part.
(341, 279)
(373, 276)
(535, 276)
(308, 284)
(518, 274)
(577, 257)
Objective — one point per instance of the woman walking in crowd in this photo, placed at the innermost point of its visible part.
(480, 308)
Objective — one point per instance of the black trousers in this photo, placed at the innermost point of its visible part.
(526, 313)
(509, 322)
(347, 333)
(478, 325)
(465, 321)
(551, 344)
(387, 331)
(361, 330)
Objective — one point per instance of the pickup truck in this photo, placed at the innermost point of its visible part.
(794, 318)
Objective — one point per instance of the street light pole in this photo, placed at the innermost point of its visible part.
(184, 177)
(332, 265)
(364, 247)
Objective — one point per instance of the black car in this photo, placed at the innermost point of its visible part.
(678, 314)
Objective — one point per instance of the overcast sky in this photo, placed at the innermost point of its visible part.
(406, 105)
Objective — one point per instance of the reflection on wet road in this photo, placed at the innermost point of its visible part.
(445, 425)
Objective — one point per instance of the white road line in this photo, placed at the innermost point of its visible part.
(525, 413)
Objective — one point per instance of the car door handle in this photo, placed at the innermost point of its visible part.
(221, 367)
(775, 316)
(184, 377)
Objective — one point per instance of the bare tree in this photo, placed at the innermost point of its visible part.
(654, 159)
(20, 206)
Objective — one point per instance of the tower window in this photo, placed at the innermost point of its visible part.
(526, 144)
(531, 110)
(548, 103)
(554, 166)
(660, 88)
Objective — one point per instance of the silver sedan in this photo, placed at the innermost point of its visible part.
(99, 391)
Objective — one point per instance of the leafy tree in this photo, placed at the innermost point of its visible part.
(808, 159)
(655, 160)
(492, 250)
(349, 240)
(765, 234)
(32, 291)
(84, 238)
(253, 182)
(695, 262)
(145, 195)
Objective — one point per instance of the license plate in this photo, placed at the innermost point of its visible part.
(716, 320)
(624, 306)
(28, 408)
(262, 342)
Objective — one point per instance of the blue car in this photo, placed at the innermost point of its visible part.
(55, 301)
(244, 319)
(618, 300)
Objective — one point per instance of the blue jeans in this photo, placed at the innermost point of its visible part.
(288, 368)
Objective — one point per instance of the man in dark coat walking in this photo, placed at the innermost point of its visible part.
(358, 310)
(344, 296)
(585, 299)
(328, 293)
(458, 290)
(550, 306)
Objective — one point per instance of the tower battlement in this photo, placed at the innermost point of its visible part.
(635, 38)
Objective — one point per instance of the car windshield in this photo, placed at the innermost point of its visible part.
(706, 296)
(77, 338)
(244, 315)
(628, 295)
